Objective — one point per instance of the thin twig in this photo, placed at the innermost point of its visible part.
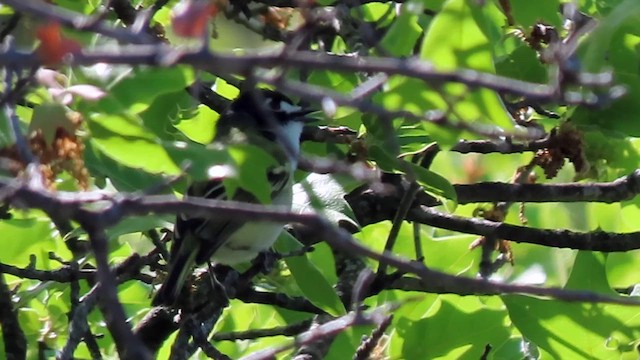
(328, 329)
(287, 330)
(43, 10)
(398, 220)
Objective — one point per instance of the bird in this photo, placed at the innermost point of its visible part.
(264, 118)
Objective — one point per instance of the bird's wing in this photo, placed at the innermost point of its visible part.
(196, 239)
(209, 234)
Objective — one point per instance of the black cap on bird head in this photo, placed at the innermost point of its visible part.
(282, 108)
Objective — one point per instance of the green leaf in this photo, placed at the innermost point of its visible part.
(125, 140)
(614, 44)
(620, 153)
(458, 38)
(201, 159)
(454, 328)
(173, 110)
(200, 127)
(412, 137)
(577, 330)
(589, 273)
(403, 34)
(124, 178)
(82, 7)
(433, 183)
(522, 64)
(374, 11)
(322, 258)
(136, 224)
(324, 194)
(138, 90)
(381, 133)
(6, 136)
(526, 13)
(383, 159)
(48, 117)
(240, 317)
(310, 280)
(413, 95)
(252, 164)
(25, 237)
(600, 40)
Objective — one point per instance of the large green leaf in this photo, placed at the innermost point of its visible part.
(201, 126)
(142, 86)
(310, 280)
(588, 273)
(123, 178)
(459, 38)
(324, 194)
(453, 327)
(124, 139)
(25, 237)
(578, 330)
(434, 184)
(522, 64)
(526, 13)
(252, 164)
(612, 154)
(241, 316)
(374, 11)
(614, 45)
(175, 110)
(403, 34)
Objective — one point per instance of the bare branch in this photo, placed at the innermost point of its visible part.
(15, 342)
(622, 189)
(596, 240)
(163, 55)
(328, 329)
(450, 284)
(62, 275)
(368, 346)
(72, 19)
(288, 330)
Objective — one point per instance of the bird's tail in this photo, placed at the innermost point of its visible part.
(181, 266)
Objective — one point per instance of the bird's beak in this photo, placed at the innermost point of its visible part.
(302, 115)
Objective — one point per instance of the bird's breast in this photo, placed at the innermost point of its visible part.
(253, 237)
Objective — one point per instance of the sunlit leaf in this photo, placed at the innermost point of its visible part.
(613, 45)
(570, 330)
(456, 39)
(323, 194)
(311, 281)
(137, 91)
(526, 13)
(438, 333)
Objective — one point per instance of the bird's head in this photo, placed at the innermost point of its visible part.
(268, 113)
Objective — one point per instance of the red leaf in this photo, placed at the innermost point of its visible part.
(189, 18)
(53, 46)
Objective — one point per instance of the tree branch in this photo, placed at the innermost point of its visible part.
(15, 342)
(622, 189)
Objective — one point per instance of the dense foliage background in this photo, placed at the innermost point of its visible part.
(469, 193)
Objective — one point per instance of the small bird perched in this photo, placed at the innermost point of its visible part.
(275, 126)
